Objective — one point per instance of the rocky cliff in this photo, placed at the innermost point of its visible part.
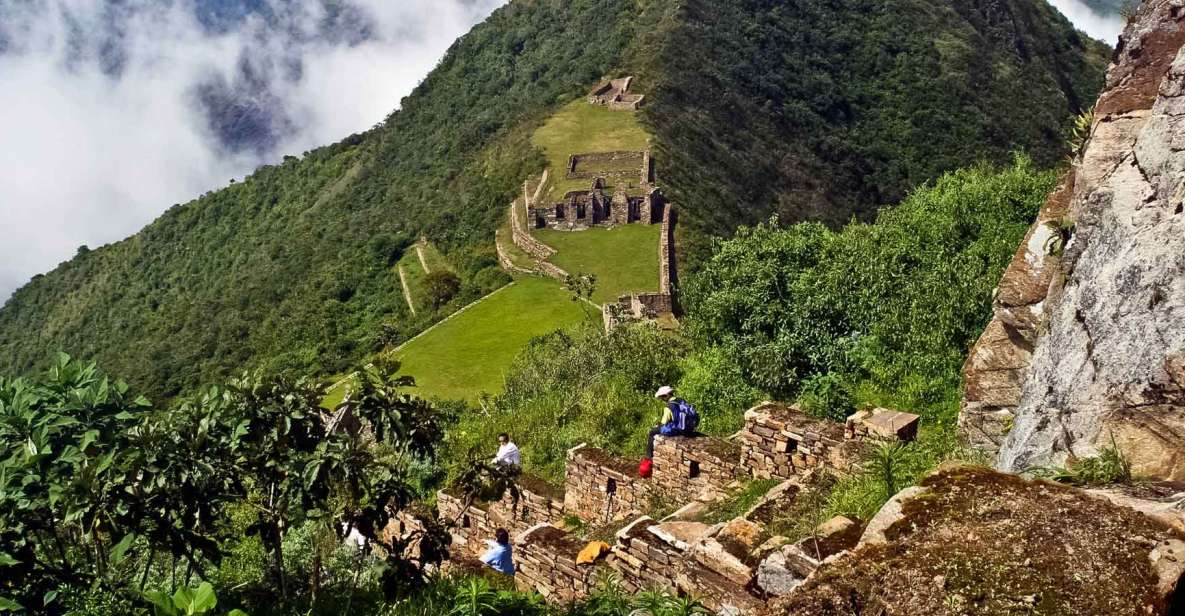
(1087, 345)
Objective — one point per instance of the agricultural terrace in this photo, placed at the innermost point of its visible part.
(624, 259)
(580, 128)
(469, 353)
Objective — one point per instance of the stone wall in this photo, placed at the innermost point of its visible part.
(546, 561)
(506, 262)
(666, 253)
(642, 561)
(686, 468)
(600, 488)
(621, 165)
(522, 238)
(672, 557)
(538, 503)
(782, 441)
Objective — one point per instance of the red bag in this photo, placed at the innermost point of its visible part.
(645, 468)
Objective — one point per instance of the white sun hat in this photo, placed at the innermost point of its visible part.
(665, 390)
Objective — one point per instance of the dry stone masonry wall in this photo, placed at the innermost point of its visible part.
(601, 488)
(720, 564)
(782, 441)
(686, 468)
(538, 503)
(546, 561)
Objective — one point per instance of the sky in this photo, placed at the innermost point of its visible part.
(111, 111)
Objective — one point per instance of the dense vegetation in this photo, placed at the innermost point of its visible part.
(102, 491)
(804, 108)
(875, 313)
(291, 268)
(822, 110)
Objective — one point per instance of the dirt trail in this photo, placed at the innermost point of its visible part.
(407, 289)
(423, 261)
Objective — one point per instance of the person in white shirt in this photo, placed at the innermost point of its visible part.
(507, 451)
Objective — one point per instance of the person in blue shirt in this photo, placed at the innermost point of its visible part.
(500, 556)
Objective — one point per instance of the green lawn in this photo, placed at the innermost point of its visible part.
(470, 353)
(579, 128)
(624, 258)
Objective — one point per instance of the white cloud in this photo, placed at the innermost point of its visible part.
(88, 155)
(1103, 27)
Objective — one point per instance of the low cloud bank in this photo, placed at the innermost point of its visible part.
(112, 112)
(1106, 28)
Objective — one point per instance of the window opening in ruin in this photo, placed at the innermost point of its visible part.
(693, 470)
(791, 446)
(611, 486)
(580, 211)
(559, 212)
(465, 522)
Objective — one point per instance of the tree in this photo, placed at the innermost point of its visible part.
(441, 286)
(581, 286)
(91, 477)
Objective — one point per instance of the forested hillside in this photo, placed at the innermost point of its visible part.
(291, 268)
(806, 109)
(822, 111)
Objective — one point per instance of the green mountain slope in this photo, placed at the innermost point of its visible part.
(804, 108)
(824, 110)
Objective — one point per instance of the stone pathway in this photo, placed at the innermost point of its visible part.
(407, 289)
(423, 261)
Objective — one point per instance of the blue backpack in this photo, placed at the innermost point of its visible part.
(685, 421)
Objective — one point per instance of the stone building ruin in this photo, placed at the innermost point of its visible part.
(634, 198)
(731, 567)
(615, 95)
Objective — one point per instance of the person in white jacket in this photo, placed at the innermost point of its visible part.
(507, 451)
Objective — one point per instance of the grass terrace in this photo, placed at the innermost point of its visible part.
(469, 353)
(623, 258)
(580, 128)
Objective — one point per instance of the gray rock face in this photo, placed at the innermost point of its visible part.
(775, 577)
(1109, 366)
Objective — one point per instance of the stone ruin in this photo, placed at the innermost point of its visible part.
(627, 172)
(615, 95)
(732, 567)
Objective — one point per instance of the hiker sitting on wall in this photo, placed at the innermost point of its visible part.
(508, 453)
(500, 556)
(678, 418)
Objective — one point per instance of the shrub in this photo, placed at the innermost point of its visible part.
(878, 313)
(571, 387)
(441, 286)
(714, 383)
(826, 396)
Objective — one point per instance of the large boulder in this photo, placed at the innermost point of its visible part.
(976, 541)
(1087, 345)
